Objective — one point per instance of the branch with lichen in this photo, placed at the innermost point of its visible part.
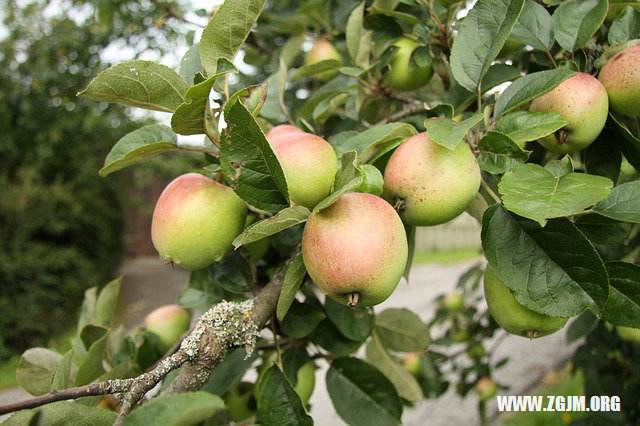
(226, 325)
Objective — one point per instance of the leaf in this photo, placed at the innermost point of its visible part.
(627, 142)
(285, 218)
(329, 337)
(603, 230)
(401, 330)
(497, 74)
(603, 158)
(259, 178)
(611, 51)
(534, 192)
(301, 319)
(447, 132)
(230, 371)
(139, 145)
(59, 413)
(525, 126)
(188, 408)
(107, 303)
(582, 326)
(292, 280)
(529, 87)
(326, 108)
(559, 168)
(625, 27)
(91, 366)
(278, 403)
(61, 378)
(534, 27)
(354, 31)
(368, 143)
(361, 394)
(498, 153)
(552, 270)
(482, 34)
(190, 64)
(137, 83)
(622, 204)
(406, 385)
(576, 21)
(227, 30)
(36, 369)
(623, 306)
(315, 68)
(293, 358)
(233, 273)
(354, 323)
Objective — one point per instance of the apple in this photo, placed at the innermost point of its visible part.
(356, 249)
(620, 76)
(582, 101)
(195, 221)
(413, 363)
(628, 334)
(486, 388)
(476, 351)
(322, 50)
(282, 129)
(511, 315)
(309, 165)
(258, 249)
(404, 75)
(453, 302)
(428, 183)
(168, 322)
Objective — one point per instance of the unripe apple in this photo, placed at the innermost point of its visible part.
(168, 322)
(428, 183)
(629, 334)
(322, 50)
(356, 249)
(511, 315)
(582, 101)
(309, 165)
(486, 388)
(404, 75)
(453, 302)
(282, 129)
(195, 221)
(239, 402)
(621, 78)
(413, 363)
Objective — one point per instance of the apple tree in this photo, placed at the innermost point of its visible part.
(330, 131)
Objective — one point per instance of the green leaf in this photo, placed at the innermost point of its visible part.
(603, 230)
(91, 366)
(534, 192)
(626, 26)
(278, 403)
(230, 371)
(559, 168)
(603, 158)
(61, 378)
(301, 319)
(59, 414)
(368, 143)
(107, 303)
(227, 30)
(623, 306)
(622, 204)
(36, 369)
(354, 31)
(552, 270)
(293, 358)
(190, 64)
(529, 87)
(258, 178)
(525, 126)
(482, 34)
(329, 337)
(498, 153)
(401, 330)
(233, 273)
(447, 132)
(627, 142)
(354, 323)
(582, 326)
(188, 408)
(534, 27)
(142, 84)
(576, 21)
(361, 394)
(611, 51)
(139, 145)
(327, 107)
(406, 385)
(497, 74)
(285, 218)
(292, 280)
(315, 68)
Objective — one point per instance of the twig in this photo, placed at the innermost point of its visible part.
(406, 111)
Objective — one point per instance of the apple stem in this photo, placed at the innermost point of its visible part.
(532, 334)
(352, 299)
(399, 204)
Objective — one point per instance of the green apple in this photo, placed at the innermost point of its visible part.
(620, 76)
(428, 183)
(240, 402)
(195, 221)
(453, 302)
(356, 249)
(282, 129)
(476, 351)
(309, 165)
(511, 315)
(404, 75)
(629, 334)
(168, 322)
(413, 363)
(582, 101)
(486, 388)
(322, 50)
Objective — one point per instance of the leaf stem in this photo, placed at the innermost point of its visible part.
(487, 188)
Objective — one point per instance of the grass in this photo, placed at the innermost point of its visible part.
(446, 257)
